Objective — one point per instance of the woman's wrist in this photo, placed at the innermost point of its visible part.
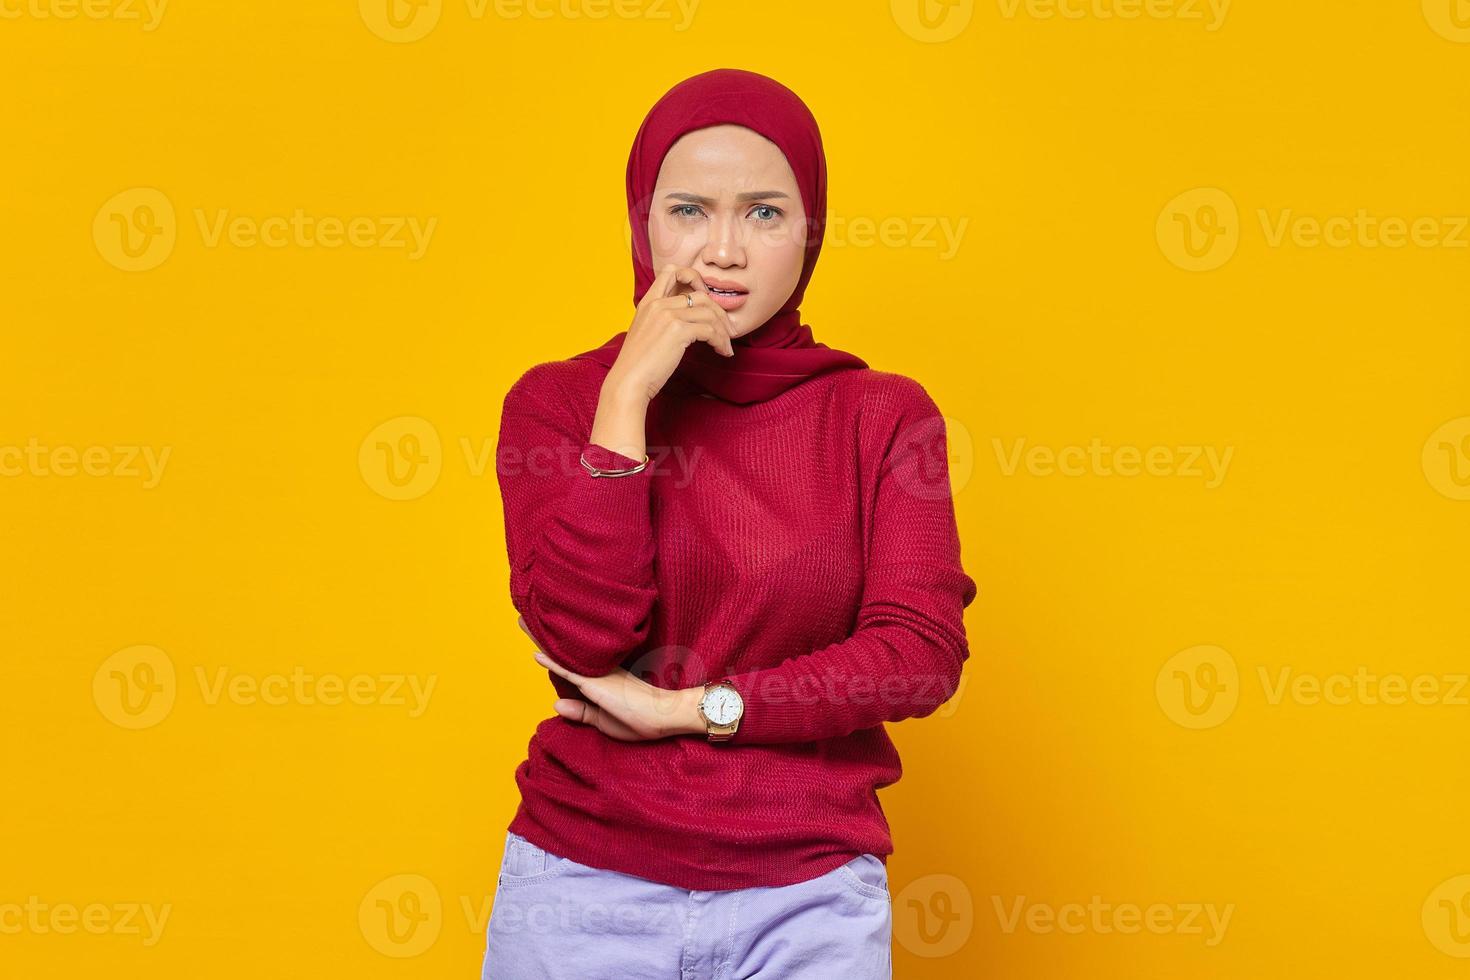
(623, 396)
(685, 719)
(619, 424)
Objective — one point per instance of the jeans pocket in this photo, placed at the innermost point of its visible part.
(525, 862)
(867, 876)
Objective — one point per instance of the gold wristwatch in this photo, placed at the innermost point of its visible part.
(721, 707)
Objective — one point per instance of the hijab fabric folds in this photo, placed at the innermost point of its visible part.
(781, 353)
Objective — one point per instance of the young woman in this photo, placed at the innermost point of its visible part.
(735, 551)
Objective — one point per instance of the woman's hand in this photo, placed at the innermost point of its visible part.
(664, 326)
(623, 706)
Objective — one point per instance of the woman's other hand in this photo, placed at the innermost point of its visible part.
(623, 706)
(664, 326)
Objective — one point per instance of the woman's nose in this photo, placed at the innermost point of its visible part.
(725, 245)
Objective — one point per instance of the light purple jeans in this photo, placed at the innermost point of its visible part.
(555, 919)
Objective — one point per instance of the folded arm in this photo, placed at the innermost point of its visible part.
(905, 655)
(581, 547)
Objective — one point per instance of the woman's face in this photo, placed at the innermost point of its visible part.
(726, 205)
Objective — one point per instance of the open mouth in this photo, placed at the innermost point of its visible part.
(728, 300)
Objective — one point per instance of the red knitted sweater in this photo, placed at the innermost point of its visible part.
(804, 548)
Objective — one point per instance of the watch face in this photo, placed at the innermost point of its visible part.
(722, 705)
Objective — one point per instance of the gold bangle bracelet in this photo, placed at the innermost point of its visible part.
(597, 472)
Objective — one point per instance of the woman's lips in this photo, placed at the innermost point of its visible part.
(729, 302)
(729, 295)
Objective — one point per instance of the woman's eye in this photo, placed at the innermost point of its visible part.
(763, 213)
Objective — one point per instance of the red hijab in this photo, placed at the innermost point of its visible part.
(781, 353)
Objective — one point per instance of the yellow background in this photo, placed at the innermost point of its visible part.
(1072, 764)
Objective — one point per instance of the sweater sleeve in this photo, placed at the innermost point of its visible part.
(581, 548)
(904, 657)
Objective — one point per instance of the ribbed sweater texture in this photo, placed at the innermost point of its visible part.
(804, 548)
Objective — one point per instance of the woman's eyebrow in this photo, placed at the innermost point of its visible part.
(747, 196)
